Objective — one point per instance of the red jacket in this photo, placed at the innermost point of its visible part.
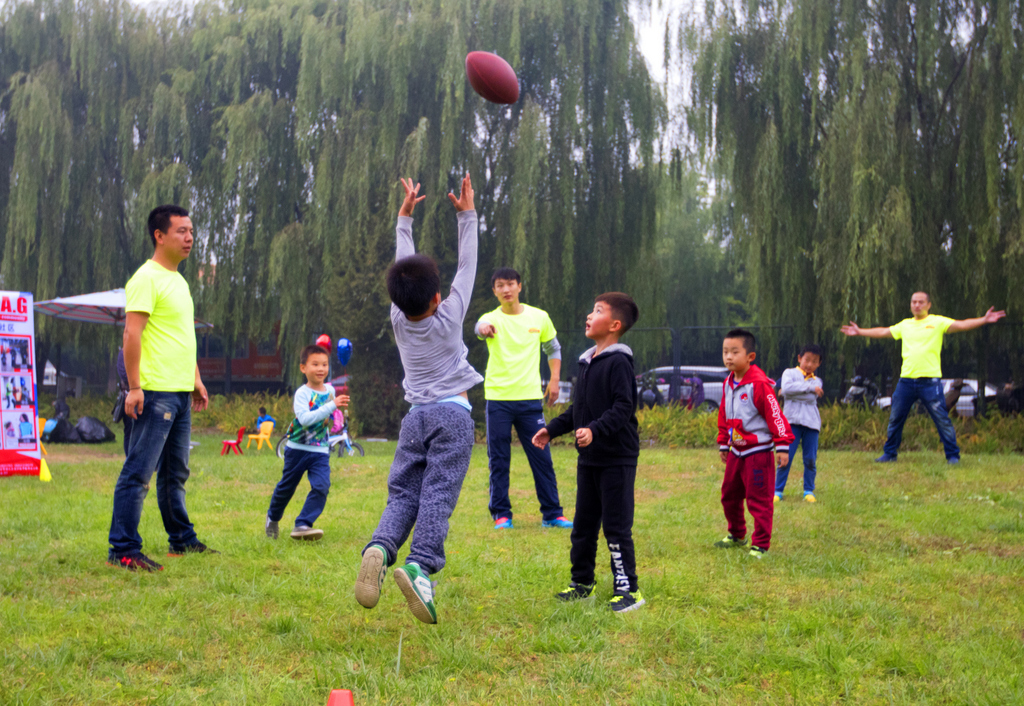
(750, 417)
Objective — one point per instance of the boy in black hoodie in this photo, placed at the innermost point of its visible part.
(603, 416)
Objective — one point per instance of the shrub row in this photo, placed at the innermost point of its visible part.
(850, 428)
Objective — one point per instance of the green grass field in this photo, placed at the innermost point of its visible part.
(901, 585)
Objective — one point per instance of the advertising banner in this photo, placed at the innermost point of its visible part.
(19, 423)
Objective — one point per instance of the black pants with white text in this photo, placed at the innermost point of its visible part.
(604, 496)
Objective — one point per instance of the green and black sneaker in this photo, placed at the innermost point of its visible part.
(730, 542)
(757, 552)
(575, 592)
(371, 575)
(625, 601)
(418, 591)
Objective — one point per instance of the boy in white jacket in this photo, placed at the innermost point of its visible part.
(800, 390)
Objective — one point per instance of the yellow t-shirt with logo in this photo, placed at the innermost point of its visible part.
(922, 345)
(513, 363)
(169, 340)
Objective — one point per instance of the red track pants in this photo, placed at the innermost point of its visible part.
(750, 478)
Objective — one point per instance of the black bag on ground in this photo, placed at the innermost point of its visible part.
(93, 431)
(64, 433)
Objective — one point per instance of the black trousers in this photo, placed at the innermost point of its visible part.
(604, 496)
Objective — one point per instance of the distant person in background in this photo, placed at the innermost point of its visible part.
(61, 409)
(516, 333)
(264, 417)
(800, 389)
(920, 376)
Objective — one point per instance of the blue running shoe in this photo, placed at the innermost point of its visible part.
(885, 458)
(557, 522)
(503, 523)
(953, 461)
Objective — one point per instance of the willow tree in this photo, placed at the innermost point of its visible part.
(866, 150)
(283, 126)
(69, 73)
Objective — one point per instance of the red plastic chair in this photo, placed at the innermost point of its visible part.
(235, 445)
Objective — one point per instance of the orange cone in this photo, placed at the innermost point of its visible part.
(341, 697)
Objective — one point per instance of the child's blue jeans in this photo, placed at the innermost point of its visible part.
(297, 462)
(809, 437)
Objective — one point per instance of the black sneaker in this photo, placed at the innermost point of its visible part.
(135, 562)
(194, 548)
(625, 601)
(575, 592)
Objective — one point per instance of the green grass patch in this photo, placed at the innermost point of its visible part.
(901, 585)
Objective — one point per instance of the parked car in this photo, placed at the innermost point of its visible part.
(712, 377)
(967, 405)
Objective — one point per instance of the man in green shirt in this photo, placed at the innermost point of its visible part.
(515, 334)
(921, 371)
(164, 387)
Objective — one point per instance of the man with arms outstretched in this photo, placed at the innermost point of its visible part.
(921, 371)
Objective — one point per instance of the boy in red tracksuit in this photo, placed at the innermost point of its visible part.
(750, 427)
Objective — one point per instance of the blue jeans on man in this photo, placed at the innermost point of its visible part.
(527, 416)
(809, 438)
(297, 462)
(929, 391)
(158, 443)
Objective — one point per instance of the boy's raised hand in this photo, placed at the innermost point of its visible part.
(465, 200)
(410, 197)
(341, 401)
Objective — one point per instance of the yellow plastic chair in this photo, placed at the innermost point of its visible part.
(41, 422)
(264, 435)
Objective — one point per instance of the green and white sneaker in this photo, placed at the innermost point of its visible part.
(418, 591)
(730, 542)
(371, 575)
(576, 592)
(757, 552)
(625, 601)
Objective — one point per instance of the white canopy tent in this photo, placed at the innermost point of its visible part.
(97, 308)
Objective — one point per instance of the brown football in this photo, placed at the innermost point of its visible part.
(492, 77)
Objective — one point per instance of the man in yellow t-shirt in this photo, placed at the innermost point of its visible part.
(921, 371)
(515, 334)
(164, 387)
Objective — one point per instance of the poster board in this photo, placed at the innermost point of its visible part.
(19, 422)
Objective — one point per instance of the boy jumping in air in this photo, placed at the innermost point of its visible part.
(603, 417)
(436, 439)
(750, 427)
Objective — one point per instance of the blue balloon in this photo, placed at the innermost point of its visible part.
(344, 350)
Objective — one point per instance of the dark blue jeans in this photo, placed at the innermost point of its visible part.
(297, 462)
(928, 390)
(528, 418)
(809, 437)
(158, 443)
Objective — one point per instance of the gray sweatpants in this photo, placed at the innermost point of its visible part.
(426, 477)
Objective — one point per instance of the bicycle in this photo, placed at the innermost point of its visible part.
(340, 441)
